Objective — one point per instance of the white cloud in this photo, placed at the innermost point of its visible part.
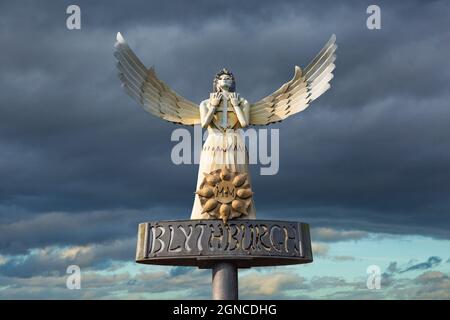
(320, 249)
(269, 285)
(332, 235)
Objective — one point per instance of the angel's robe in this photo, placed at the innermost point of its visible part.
(224, 146)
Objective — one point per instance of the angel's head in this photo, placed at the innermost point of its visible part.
(224, 81)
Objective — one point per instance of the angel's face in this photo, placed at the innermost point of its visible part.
(225, 82)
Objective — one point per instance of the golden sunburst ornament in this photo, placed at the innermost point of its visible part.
(225, 194)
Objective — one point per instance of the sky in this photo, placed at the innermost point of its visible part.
(367, 165)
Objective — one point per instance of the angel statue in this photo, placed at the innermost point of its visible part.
(223, 186)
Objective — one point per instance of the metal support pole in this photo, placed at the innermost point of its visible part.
(224, 281)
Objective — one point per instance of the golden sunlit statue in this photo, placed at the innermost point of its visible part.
(223, 186)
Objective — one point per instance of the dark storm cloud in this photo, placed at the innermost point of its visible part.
(430, 263)
(393, 268)
(54, 261)
(64, 229)
(373, 153)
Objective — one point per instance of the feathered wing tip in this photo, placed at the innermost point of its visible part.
(296, 95)
(119, 38)
(149, 91)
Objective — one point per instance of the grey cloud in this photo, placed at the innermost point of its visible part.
(429, 264)
(65, 229)
(195, 285)
(333, 235)
(118, 285)
(328, 282)
(343, 258)
(54, 261)
(263, 285)
(393, 267)
(176, 271)
(428, 285)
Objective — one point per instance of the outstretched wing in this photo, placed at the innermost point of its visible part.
(296, 95)
(152, 94)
